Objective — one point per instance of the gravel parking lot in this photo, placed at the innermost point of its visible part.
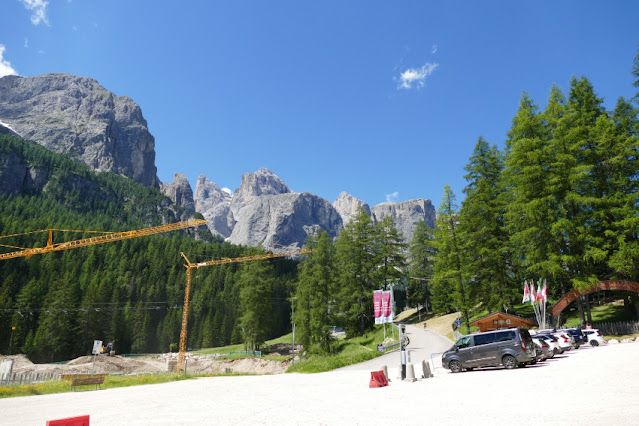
(586, 386)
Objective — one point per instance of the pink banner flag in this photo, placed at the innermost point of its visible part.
(387, 308)
(377, 306)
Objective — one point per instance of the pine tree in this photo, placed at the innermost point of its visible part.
(315, 295)
(483, 226)
(422, 257)
(391, 248)
(531, 206)
(622, 237)
(256, 292)
(450, 277)
(357, 261)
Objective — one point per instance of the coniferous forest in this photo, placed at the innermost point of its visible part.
(559, 203)
(130, 291)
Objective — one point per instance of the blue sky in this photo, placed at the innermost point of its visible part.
(384, 100)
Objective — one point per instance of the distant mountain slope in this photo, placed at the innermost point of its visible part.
(77, 116)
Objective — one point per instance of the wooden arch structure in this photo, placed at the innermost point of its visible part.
(603, 285)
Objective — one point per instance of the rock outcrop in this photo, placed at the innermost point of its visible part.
(180, 192)
(406, 215)
(347, 206)
(215, 206)
(285, 219)
(77, 116)
(263, 210)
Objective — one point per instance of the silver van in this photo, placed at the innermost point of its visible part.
(510, 347)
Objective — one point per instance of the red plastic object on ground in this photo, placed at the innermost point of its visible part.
(70, 421)
(378, 379)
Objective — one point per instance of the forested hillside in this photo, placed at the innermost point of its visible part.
(129, 291)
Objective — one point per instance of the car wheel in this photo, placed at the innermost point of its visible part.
(594, 343)
(455, 366)
(509, 361)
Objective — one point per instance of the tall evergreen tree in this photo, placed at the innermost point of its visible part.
(621, 234)
(483, 226)
(451, 277)
(315, 295)
(256, 292)
(392, 251)
(531, 209)
(357, 264)
(422, 258)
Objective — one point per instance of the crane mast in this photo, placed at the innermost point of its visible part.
(187, 289)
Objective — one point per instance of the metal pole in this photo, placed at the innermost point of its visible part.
(293, 322)
(11, 339)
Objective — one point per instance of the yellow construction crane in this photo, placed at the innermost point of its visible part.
(111, 236)
(187, 290)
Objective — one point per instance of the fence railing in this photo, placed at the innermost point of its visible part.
(619, 328)
(26, 378)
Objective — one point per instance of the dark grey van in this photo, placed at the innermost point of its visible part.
(510, 348)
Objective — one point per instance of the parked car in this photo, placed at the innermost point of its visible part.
(578, 335)
(594, 337)
(566, 342)
(544, 350)
(509, 347)
(552, 342)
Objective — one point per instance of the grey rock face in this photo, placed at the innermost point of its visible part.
(263, 210)
(77, 116)
(215, 206)
(406, 215)
(347, 206)
(180, 192)
(262, 182)
(285, 219)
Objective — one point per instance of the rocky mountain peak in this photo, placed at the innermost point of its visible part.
(347, 206)
(77, 116)
(214, 204)
(406, 215)
(180, 192)
(261, 182)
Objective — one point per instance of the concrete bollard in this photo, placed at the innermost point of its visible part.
(426, 369)
(410, 373)
(385, 370)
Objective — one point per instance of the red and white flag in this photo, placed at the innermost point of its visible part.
(526, 293)
(539, 296)
(544, 293)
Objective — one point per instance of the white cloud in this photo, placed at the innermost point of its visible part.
(434, 49)
(392, 198)
(228, 191)
(5, 66)
(26, 42)
(415, 77)
(39, 11)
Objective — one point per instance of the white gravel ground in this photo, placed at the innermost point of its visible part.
(587, 386)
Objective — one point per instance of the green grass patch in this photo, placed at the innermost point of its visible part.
(287, 338)
(61, 386)
(347, 352)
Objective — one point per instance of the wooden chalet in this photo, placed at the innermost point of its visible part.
(497, 320)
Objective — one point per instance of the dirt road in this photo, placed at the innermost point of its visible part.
(587, 386)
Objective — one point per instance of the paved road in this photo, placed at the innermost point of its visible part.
(423, 343)
(587, 386)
